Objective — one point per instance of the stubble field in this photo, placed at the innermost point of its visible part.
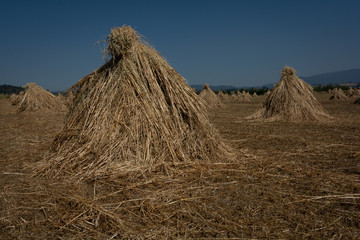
(290, 181)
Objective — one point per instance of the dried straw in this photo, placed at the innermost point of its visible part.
(133, 113)
(35, 98)
(211, 99)
(356, 92)
(350, 92)
(291, 100)
(223, 97)
(267, 93)
(16, 98)
(338, 94)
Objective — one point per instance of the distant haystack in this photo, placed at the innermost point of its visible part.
(338, 94)
(133, 113)
(350, 92)
(247, 96)
(16, 98)
(223, 96)
(36, 98)
(210, 97)
(255, 95)
(243, 96)
(291, 100)
(267, 93)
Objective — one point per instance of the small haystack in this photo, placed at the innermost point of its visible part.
(291, 100)
(135, 113)
(223, 96)
(243, 96)
(254, 95)
(16, 98)
(338, 94)
(210, 97)
(356, 92)
(267, 93)
(35, 98)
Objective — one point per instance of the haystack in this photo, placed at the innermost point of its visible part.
(338, 94)
(210, 97)
(243, 96)
(267, 93)
(133, 113)
(16, 98)
(291, 100)
(254, 95)
(223, 96)
(247, 96)
(356, 92)
(35, 98)
(350, 92)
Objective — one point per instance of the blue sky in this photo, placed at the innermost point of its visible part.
(240, 43)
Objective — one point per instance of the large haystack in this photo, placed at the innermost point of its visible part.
(338, 94)
(133, 113)
(210, 97)
(35, 98)
(291, 100)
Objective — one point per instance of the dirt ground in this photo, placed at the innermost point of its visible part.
(290, 181)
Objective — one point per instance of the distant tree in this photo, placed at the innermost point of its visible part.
(9, 89)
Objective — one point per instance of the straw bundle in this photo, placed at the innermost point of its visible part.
(135, 112)
(267, 93)
(210, 97)
(356, 92)
(223, 97)
(291, 100)
(16, 98)
(350, 92)
(338, 94)
(243, 96)
(36, 98)
(255, 95)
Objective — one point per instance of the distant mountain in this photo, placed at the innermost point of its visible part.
(340, 77)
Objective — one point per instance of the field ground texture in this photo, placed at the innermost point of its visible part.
(290, 181)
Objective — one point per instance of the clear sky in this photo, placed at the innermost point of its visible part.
(224, 42)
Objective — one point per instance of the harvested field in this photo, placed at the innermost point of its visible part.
(290, 181)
